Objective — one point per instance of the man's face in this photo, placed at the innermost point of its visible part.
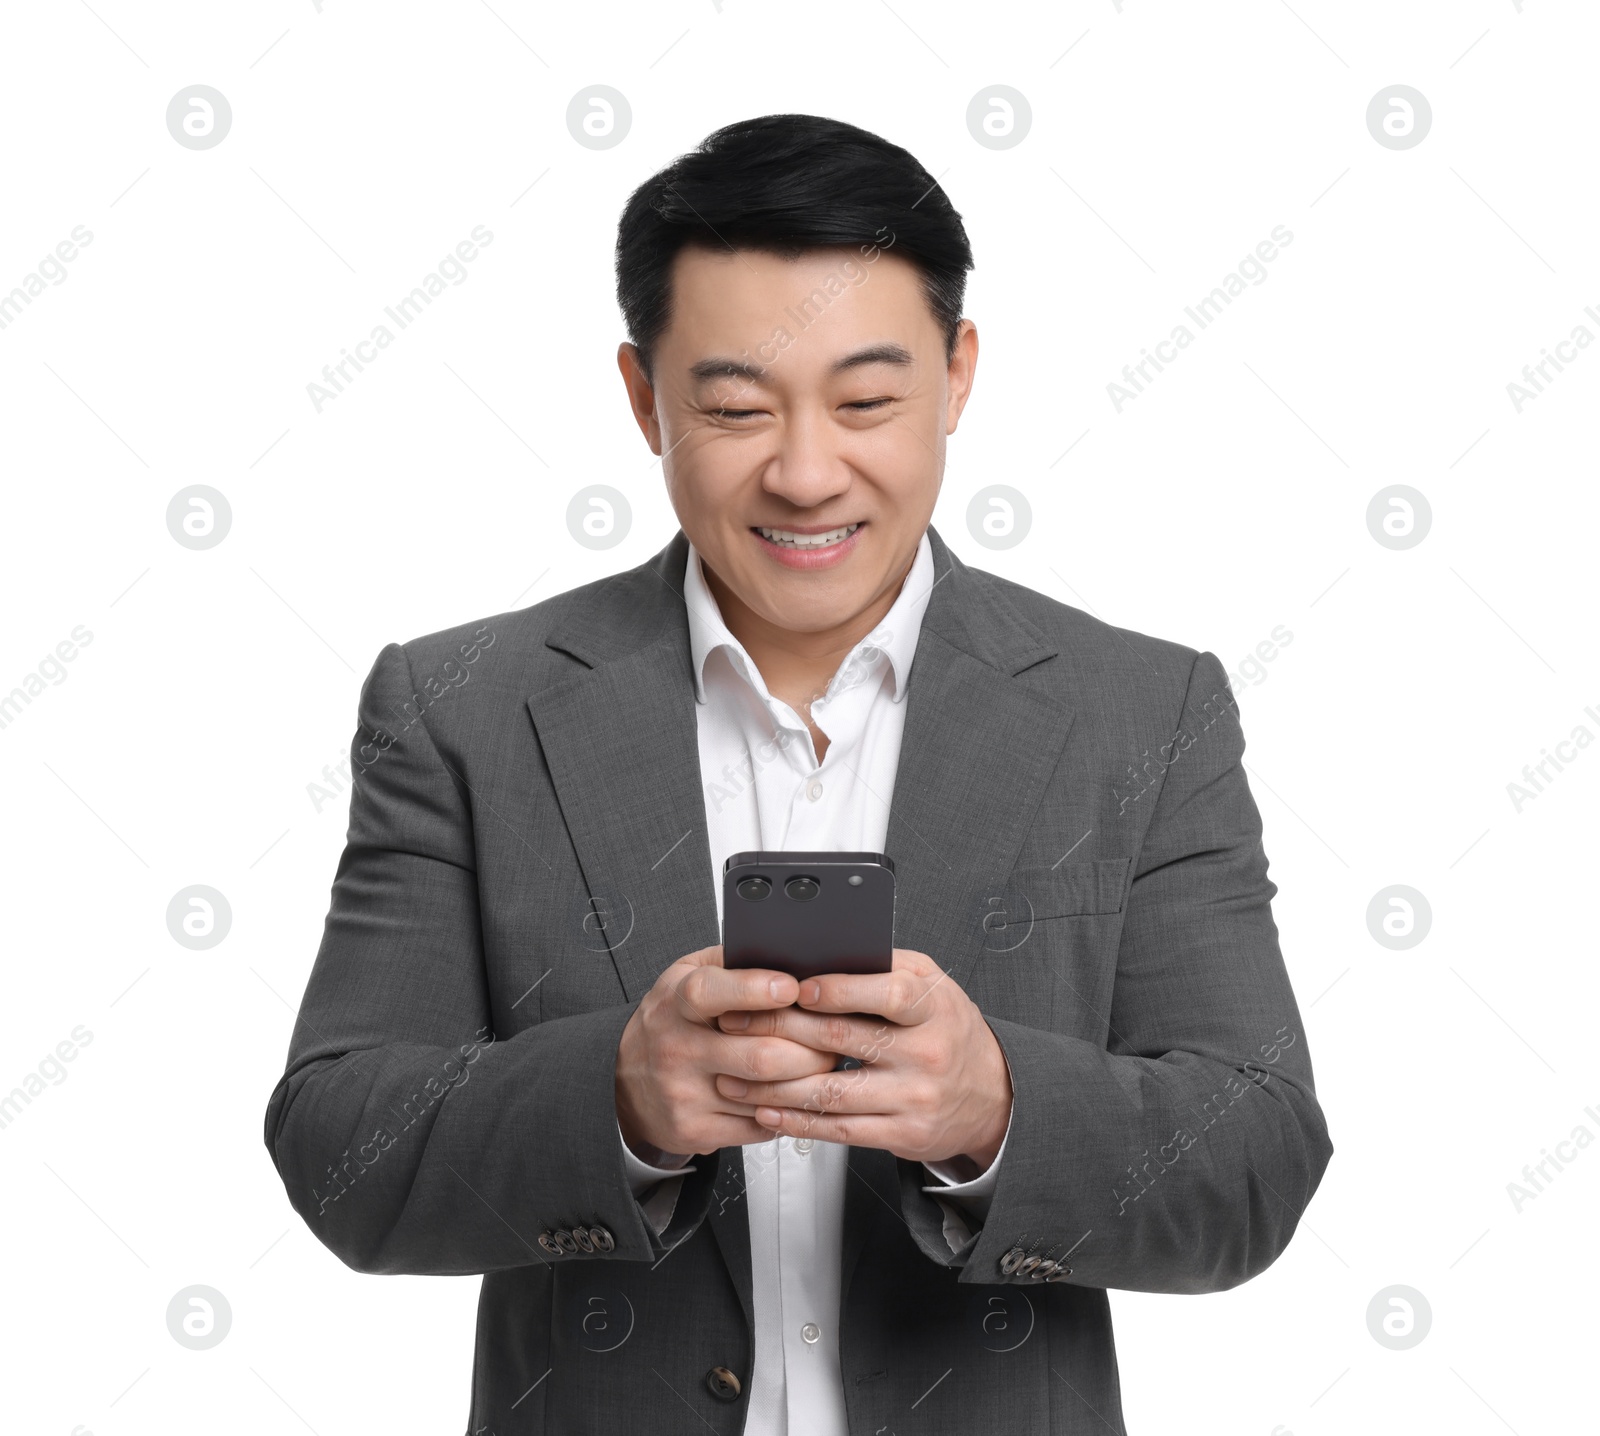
(802, 397)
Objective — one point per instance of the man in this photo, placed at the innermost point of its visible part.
(519, 1053)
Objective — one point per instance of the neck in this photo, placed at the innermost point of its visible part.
(797, 666)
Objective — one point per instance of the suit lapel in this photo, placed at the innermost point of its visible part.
(620, 742)
(976, 756)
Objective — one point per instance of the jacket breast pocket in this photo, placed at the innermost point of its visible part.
(1041, 894)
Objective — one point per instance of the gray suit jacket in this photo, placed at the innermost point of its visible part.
(1074, 842)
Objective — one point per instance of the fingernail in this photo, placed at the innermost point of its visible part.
(734, 1087)
(775, 987)
(769, 1116)
(810, 991)
(735, 1021)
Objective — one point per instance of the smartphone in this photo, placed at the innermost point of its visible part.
(808, 913)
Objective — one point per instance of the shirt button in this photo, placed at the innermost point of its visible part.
(803, 1145)
(814, 789)
(811, 1332)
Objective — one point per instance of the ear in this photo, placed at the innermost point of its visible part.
(641, 395)
(962, 369)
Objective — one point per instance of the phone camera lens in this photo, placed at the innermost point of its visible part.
(801, 889)
(754, 889)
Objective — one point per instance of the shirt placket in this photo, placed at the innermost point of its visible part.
(803, 804)
(809, 1293)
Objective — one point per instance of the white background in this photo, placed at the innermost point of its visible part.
(1231, 497)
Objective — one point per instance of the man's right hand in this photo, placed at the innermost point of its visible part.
(672, 1051)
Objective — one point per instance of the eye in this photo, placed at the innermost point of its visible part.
(733, 413)
(866, 406)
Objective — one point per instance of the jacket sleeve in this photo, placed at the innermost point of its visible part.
(410, 1135)
(1179, 1156)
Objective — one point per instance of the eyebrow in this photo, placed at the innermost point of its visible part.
(720, 368)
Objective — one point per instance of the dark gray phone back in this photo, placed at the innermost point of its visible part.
(846, 926)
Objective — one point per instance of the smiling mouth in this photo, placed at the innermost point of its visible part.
(789, 538)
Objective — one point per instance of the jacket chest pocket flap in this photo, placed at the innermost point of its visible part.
(1072, 889)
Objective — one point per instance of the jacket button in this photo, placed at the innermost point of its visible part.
(602, 1239)
(1061, 1273)
(548, 1243)
(564, 1240)
(1027, 1264)
(584, 1240)
(1011, 1261)
(723, 1384)
(1042, 1271)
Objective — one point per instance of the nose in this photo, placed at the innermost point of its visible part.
(809, 467)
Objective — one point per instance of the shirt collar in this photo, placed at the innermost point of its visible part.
(895, 636)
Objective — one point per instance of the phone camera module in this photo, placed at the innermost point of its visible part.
(801, 889)
(754, 889)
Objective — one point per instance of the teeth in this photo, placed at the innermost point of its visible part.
(807, 540)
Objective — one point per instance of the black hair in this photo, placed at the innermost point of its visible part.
(788, 183)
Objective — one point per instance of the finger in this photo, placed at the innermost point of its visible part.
(706, 991)
(765, 1059)
(834, 1092)
(672, 980)
(897, 995)
(854, 1130)
(740, 1111)
(734, 1129)
(864, 1038)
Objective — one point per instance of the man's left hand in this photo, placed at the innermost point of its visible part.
(933, 1085)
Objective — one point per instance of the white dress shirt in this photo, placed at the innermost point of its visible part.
(765, 790)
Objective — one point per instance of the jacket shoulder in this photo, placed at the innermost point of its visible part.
(1090, 643)
(517, 636)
